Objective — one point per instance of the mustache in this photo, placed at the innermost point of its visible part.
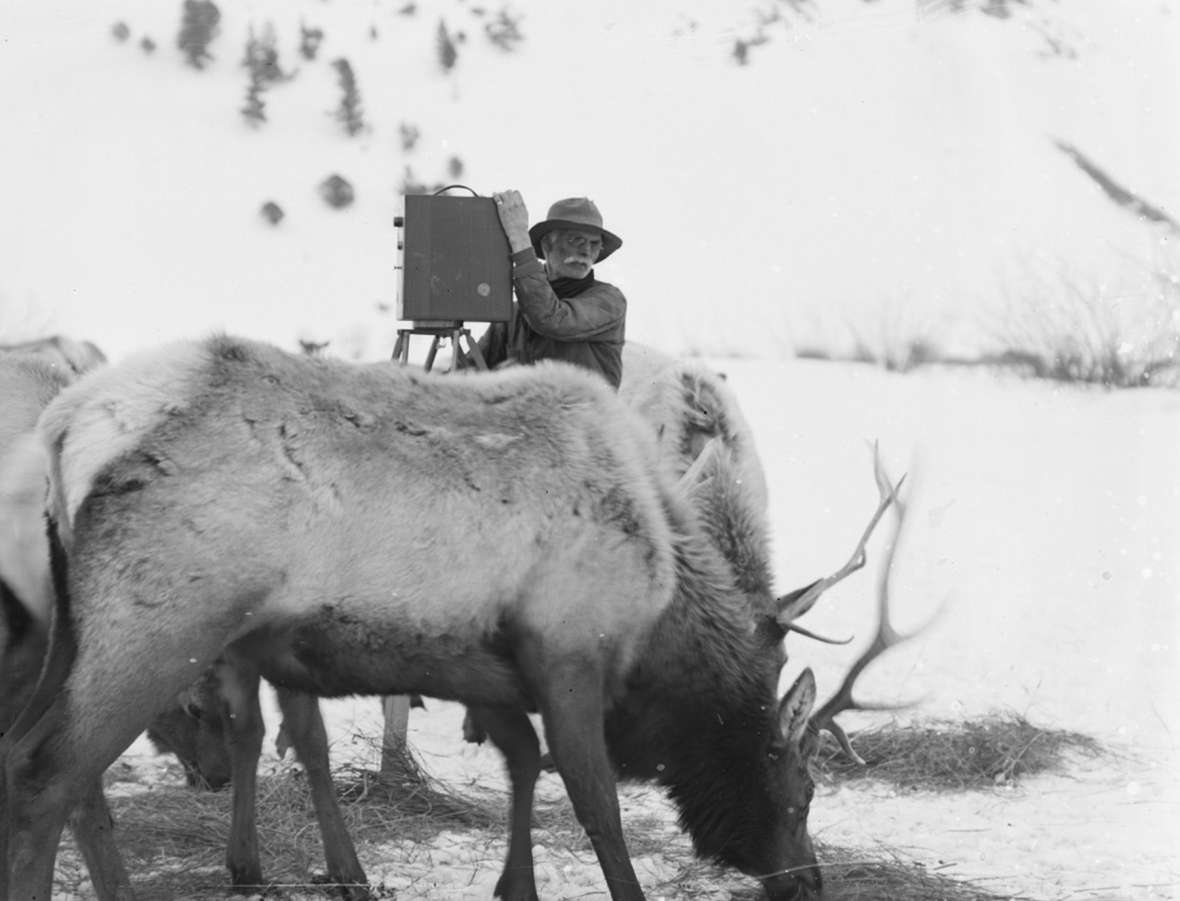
(585, 261)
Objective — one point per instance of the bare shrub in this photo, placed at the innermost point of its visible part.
(897, 340)
(1092, 334)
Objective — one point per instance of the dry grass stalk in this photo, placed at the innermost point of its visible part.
(174, 838)
(851, 874)
(954, 756)
(177, 836)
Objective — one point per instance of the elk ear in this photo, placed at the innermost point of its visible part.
(795, 707)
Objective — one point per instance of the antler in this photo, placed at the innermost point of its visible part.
(793, 605)
(886, 636)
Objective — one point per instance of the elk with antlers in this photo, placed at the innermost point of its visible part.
(302, 514)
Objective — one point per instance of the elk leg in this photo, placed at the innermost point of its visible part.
(511, 732)
(571, 705)
(40, 796)
(92, 825)
(245, 731)
(305, 728)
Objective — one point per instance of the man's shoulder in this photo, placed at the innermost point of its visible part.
(606, 289)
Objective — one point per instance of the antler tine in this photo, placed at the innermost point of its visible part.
(795, 604)
(886, 635)
(815, 636)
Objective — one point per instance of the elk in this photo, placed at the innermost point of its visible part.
(28, 382)
(305, 516)
(689, 405)
(688, 408)
(76, 357)
(31, 375)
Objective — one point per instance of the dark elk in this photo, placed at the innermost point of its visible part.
(225, 498)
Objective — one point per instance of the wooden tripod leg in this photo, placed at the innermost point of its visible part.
(401, 347)
(432, 353)
(476, 353)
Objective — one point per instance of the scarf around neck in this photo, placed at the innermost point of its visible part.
(571, 287)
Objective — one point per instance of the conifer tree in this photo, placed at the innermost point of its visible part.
(198, 28)
(349, 112)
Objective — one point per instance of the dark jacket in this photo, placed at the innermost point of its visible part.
(580, 321)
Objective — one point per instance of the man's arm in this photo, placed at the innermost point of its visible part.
(596, 311)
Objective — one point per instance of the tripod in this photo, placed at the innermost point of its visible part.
(454, 330)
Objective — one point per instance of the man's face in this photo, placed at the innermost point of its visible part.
(571, 253)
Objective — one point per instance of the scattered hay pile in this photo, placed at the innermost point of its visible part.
(853, 875)
(179, 836)
(953, 755)
(174, 839)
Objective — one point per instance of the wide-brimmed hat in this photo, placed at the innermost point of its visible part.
(577, 213)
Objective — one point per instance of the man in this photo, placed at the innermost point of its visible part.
(562, 312)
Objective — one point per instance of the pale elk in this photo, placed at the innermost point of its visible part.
(688, 408)
(31, 375)
(75, 357)
(225, 496)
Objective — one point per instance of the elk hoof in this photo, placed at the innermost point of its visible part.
(473, 731)
(349, 890)
(506, 888)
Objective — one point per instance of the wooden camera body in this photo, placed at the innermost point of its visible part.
(454, 263)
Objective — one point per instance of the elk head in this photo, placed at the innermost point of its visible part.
(194, 730)
(799, 727)
(793, 873)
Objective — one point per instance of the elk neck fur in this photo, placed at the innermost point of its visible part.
(688, 404)
(701, 709)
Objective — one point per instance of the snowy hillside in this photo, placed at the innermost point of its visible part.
(871, 164)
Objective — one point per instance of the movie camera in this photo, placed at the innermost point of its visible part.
(453, 267)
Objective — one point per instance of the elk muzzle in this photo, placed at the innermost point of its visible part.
(804, 884)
